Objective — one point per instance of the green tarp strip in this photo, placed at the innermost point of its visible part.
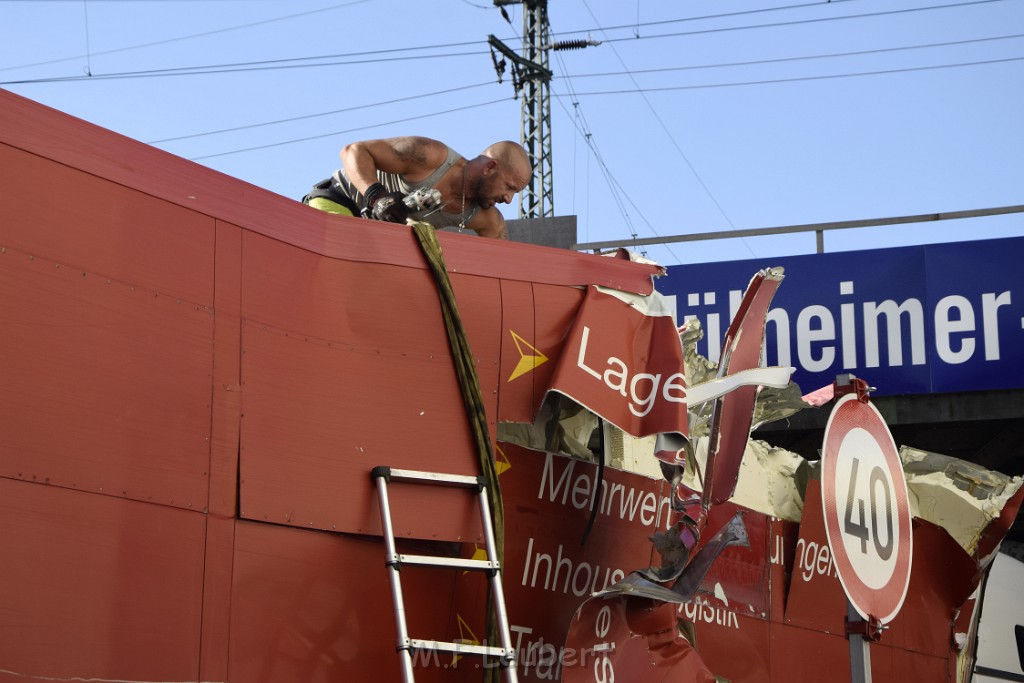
(470, 385)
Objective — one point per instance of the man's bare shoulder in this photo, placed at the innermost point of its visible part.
(415, 150)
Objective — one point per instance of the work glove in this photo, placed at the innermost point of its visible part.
(385, 206)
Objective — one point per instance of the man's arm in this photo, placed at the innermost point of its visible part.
(413, 157)
(488, 223)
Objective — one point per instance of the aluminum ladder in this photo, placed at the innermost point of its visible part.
(505, 654)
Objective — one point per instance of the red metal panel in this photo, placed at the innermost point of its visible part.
(216, 606)
(346, 366)
(782, 545)
(227, 382)
(312, 606)
(519, 398)
(370, 307)
(742, 573)
(536, 321)
(816, 599)
(802, 655)
(108, 230)
(628, 639)
(96, 587)
(733, 412)
(610, 336)
(733, 646)
(308, 442)
(479, 301)
(882, 665)
(799, 654)
(911, 666)
(108, 384)
(555, 311)
(943, 577)
(549, 572)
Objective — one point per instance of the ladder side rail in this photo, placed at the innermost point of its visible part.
(402, 644)
(498, 593)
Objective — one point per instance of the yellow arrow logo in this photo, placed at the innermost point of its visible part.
(478, 552)
(527, 361)
(463, 630)
(501, 463)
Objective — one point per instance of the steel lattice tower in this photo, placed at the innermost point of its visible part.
(531, 77)
(537, 200)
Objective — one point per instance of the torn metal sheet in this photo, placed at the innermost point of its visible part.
(771, 480)
(630, 639)
(689, 576)
(771, 483)
(732, 415)
(936, 618)
(562, 426)
(772, 403)
(961, 497)
(623, 362)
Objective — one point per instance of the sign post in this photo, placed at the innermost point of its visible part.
(867, 517)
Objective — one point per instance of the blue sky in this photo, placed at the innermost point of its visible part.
(689, 117)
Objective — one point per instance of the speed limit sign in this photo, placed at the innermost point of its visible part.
(866, 509)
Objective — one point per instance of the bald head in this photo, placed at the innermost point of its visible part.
(512, 157)
(498, 173)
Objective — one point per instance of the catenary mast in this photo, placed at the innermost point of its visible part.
(531, 75)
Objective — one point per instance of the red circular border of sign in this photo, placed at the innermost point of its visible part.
(883, 603)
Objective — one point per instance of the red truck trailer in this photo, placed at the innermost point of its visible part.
(200, 377)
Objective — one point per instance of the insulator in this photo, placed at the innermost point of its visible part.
(577, 44)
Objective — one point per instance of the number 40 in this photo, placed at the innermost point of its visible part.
(859, 528)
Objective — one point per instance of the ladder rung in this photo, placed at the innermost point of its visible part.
(506, 654)
(415, 476)
(462, 648)
(453, 562)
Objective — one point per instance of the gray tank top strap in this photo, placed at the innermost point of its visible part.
(440, 219)
(431, 180)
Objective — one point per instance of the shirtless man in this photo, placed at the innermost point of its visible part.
(376, 174)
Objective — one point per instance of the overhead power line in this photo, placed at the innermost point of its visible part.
(203, 34)
(672, 139)
(616, 192)
(200, 71)
(318, 60)
(778, 60)
(350, 130)
(180, 38)
(326, 113)
(794, 22)
(769, 81)
(566, 78)
(576, 95)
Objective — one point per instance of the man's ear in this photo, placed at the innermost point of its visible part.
(490, 167)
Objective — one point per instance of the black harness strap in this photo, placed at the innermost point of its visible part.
(328, 189)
